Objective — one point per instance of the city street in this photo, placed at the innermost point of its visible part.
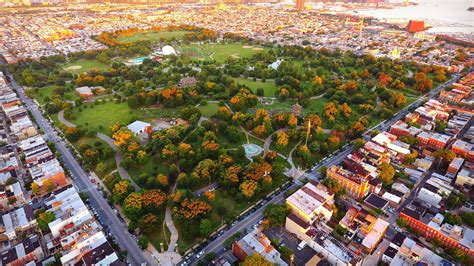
(83, 184)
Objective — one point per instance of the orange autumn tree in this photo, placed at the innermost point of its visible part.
(210, 195)
(281, 139)
(162, 180)
(231, 175)
(133, 205)
(191, 208)
(153, 199)
(249, 188)
(122, 137)
(257, 170)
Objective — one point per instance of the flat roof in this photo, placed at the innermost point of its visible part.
(376, 201)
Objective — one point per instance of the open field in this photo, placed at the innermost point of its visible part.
(219, 52)
(209, 109)
(269, 87)
(81, 66)
(100, 117)
(152, 36)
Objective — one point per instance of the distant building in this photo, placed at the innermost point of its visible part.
(415, 26)
(300, 5)
(187, 82)
(84, 92)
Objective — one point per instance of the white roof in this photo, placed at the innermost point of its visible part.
(168, 50)
(138, 126)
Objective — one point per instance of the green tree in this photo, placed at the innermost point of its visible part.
(143, 242)
(276, 214)
(43, 219)
(205, 227)
(323, 171)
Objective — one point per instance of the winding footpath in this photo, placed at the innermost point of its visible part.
(118, 160)
(63, 120)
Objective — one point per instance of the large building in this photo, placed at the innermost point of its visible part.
(430, 223)
(355, 186)
(311, 202)
(300, 5)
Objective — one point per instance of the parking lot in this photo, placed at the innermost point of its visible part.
(291, 241)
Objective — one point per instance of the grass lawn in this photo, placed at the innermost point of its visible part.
(101, 116)
(152, 36)
(277, 106)
(153, 167)
(269, 87)
(219, 52)
(81, 66)
(209, 109)
(316, 106)
(41, 94)
(161, 234)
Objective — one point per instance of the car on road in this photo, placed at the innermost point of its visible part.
(200, 254)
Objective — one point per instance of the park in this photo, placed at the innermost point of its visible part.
(221, 126)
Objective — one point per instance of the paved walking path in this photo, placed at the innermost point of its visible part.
(118, 160)
(206, 188)
(170, 224)
(63, 120)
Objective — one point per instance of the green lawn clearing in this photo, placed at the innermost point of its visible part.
(269, 87)
(100, 117)
(219, 52)
(152, 36)
(209, 109)
(81, 66)
(43, 95)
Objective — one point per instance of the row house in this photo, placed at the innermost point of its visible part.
(433, 140)
(11, 196)
(257, 242)
(48, 171)
(456, 94)
(334, 251)
(401, 128)
(75, 232)
(403, 250)
(28, 252)
(36, 150)
(463, 149)
(17, 222)
(23, 128)
(429, 223)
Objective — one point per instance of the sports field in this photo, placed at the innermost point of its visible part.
(269, 87)
(219, 52)
(152, 36)
(81, 66)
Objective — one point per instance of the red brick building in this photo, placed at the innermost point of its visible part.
(430, 224)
